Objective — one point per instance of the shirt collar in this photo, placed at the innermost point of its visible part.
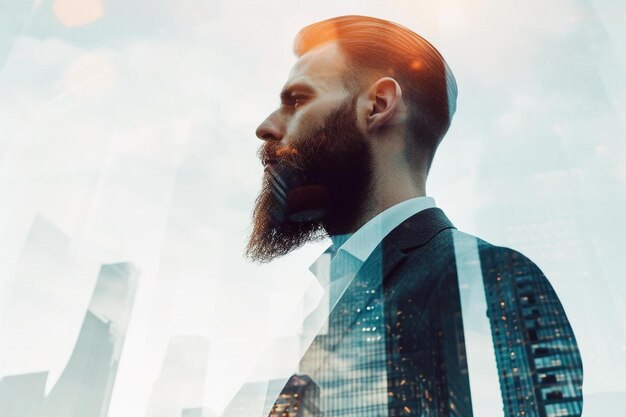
(362, 243)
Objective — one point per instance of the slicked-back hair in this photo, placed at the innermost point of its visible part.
(376, 48)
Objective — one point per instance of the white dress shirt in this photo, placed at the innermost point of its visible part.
(335, 269)
(362, 243)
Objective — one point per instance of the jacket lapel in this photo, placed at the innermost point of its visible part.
(367, 285)
(362, 291)
(419, 229)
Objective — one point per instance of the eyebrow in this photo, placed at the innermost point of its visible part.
(287, 92)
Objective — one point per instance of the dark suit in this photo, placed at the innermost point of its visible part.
(395, 341)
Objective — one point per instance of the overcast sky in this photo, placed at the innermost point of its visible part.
(127, 134)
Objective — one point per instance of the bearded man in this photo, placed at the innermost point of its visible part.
(346, 155)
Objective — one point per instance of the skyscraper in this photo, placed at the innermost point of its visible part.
(377, 358)
(86, 384)
(386, 355)
(299, 398)
(539, 366)
(252, 399)
(351, 375)
(22, 395)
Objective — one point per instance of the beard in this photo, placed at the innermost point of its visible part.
(314, 187)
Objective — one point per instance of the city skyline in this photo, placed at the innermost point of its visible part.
(86, 384)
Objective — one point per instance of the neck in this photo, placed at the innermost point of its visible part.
(396, 177)
(389, 191)
(385, 192)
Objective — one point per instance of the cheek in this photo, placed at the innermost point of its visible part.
(312, 115)
(299, 129)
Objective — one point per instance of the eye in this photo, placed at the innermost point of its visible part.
(297, 100)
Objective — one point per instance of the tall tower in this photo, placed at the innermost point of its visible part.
(86, 384)
(347, 359)
(22, 395)
(299, 398)
(539, 366)
(252, 399)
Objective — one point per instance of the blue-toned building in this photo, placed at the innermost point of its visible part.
(539, 365)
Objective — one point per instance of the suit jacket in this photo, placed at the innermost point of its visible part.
(395, 341)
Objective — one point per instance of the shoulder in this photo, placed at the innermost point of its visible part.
(443, 251)
(465, 244)
(502, 267)
(452, 250)
(449, 244)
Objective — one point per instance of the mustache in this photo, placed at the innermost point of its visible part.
(287, 156)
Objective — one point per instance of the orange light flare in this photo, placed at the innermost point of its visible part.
(73, 13)
(322, 34)
(416, 64)
(90, 75)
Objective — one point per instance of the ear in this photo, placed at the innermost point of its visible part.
(384, 100)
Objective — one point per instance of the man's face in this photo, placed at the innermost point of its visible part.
(317, 162)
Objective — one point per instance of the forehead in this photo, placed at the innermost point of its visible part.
(319, 68)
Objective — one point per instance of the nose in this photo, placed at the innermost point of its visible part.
(271, 128)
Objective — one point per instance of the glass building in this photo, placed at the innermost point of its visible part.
(299, 398)
(538, 362)
(347, 360)
(406, 355)
(22, 395)
(86, 384)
